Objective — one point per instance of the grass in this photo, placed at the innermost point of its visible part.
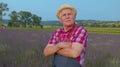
(35, 28)
(103, 30)
(100, 56)
(99, 30)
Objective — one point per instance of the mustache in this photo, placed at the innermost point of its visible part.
(69, 19)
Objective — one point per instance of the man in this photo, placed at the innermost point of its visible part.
(67, 44)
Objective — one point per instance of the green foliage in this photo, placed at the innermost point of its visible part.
(36, 20)
(3, 8)
(14, 19)
(24, 19)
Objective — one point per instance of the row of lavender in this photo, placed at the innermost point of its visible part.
(19, 48)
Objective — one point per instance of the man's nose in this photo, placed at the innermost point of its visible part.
(67, 16)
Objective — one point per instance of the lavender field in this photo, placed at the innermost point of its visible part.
(20, 48)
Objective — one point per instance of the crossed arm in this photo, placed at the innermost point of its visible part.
(63, 48)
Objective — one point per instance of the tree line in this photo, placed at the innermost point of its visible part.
(88, 23)
(21, 18)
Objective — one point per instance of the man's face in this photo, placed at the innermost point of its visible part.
(67, 17)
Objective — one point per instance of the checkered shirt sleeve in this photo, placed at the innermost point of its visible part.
(53, 39)
(80, 36)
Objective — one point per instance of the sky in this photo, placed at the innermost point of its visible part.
(105, 10)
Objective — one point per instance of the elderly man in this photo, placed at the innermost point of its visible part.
(67, 44)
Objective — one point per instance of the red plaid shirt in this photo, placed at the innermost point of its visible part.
(79, 35)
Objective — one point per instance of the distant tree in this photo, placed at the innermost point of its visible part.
(13, 19)
(25, 18)
(3, 8)
(104, 25)
(119, 25)
(36, 20)
(80, 23)
(113, 25)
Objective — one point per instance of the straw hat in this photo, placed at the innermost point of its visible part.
(66, 6)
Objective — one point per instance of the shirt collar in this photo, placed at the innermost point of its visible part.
(69, 29)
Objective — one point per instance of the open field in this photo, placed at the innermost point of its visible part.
(23, 48)
(101, 30)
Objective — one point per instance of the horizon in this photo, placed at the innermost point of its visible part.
(105, 10)
(80, 20)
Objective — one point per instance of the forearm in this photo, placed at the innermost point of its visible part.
(74, 51)
(51, 50)
(67, 52)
